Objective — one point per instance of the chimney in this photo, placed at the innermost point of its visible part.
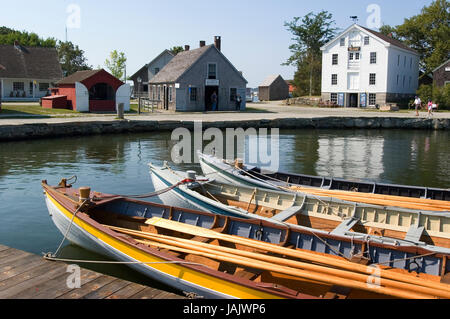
(217, 42)
(186, 47)
(202, 44)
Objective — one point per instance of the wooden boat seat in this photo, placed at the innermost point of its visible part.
(286, 214)
(415, 233)
(345, 226)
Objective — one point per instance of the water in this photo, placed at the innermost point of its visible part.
(118, 164)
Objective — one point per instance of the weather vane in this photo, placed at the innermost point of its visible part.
(354, 18)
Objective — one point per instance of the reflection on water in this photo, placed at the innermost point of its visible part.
(118, 164)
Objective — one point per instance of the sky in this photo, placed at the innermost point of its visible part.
(254, 37)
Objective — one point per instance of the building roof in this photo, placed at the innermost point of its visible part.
(390, 40)
(382, 37)
(79, 76)
(441, 65)
(150, 63)
(270, 79)
(179, 65)
(29, 63)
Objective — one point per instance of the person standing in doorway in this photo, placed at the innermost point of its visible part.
(238, 102)
(214, 101)
(418, 105)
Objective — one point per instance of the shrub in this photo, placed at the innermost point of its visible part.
(425, 92)
(441, 96)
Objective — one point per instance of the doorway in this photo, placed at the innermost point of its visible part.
(209, 90)
(353, 100)
(166, 97)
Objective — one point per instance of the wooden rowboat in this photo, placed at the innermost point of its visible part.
(223, 257)
(246, 175)
(427, 229)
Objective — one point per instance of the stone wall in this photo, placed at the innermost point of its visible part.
(33, 131)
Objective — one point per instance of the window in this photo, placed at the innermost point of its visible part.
(193, 94)
(334, 97)
(398, 61)
(410, 63)
(397, 78)
(153, 92)
(156, 71)
(342, 42)
(18, 86)
(404, 78)
(233, 93)
(334, 79)
(357, 54)
(212, 71)
(159, 93)
(350, 56)
(366, 40)
(335, 59)
(372, 99)
(373, 58)
(43, 86)
(404, 62)
(170, 94)
(372, 78)
(410, 81)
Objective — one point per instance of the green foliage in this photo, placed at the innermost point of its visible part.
(389, 31)
(116, 63)
(8, 36)
(428, 33)
(314, 31)
(71, 58)
(441, 96)
(177, 49)
(425, 92)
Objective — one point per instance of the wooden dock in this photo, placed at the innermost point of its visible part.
(28, 276)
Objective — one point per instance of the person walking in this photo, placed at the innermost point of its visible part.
(418, 105)
(214, 101)
(430, 108)
(238, 102)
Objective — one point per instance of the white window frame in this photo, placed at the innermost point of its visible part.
(207, 69)
(372, 76)
(334, 79)
(342, 42)
(20, 84)
(333, 56)
(372, 97)
(332, 99)
(373, 57)
(368, 40)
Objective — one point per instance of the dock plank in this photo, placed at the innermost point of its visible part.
(27, 276)
(107, 290)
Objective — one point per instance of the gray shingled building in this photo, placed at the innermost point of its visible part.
(189, 80)
(273, 88)
(26, 73)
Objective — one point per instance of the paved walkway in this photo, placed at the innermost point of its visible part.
(269, 111)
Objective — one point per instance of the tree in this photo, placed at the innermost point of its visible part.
(429, 34)
(9, 36)
(71, 58)
(177, 49)
(116, 63)
(314, 31)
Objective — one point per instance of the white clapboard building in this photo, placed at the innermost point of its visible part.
(364, 68)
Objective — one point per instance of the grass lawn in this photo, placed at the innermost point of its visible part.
(9, 109)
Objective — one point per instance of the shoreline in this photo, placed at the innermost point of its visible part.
(94, 126)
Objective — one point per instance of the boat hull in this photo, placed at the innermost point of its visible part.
(87, 237)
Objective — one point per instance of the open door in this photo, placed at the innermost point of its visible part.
(209, 90)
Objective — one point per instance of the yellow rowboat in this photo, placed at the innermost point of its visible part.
(202, 254)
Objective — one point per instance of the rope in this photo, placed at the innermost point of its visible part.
(48, 256)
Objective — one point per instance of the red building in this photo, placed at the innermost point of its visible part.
(90, 91)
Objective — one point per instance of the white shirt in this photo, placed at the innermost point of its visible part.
(417, 101)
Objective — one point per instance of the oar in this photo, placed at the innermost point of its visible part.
(362, 197)
(328, 260)
(326, 279)
(185, 243)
